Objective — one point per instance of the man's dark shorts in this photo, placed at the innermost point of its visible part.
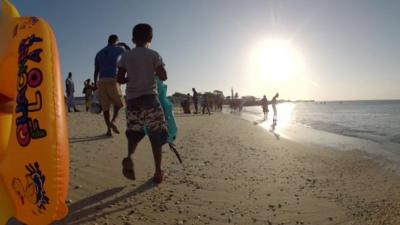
(145, 112)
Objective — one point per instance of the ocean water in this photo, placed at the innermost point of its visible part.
(377, 121)
(363, 125)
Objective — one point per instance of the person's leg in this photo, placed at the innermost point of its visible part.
(116, 113)
(134, 137)
(134, 134)
(188, 108)
(128, 167)
(73, 103)
(208, 109)
(106, 115)
(89, 102)
(132, 144)
(69, 99)
(105, 104)
(114, 91)
(158, 133)
(157, 155)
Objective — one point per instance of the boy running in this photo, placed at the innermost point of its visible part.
(138, 68)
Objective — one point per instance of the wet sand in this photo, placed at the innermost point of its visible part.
(233, 173)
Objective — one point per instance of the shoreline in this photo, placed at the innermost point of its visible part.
(315, 137)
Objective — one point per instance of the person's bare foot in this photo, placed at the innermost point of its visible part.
(128, 168)
(114, 127)
(158, 177)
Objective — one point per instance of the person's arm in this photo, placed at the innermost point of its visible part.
(160, 69)
(124, 45)
(161, 73)
(67, 87)
(121, 78)
(96, 72)
(121, 73)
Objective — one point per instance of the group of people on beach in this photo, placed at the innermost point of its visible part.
(237, 104)
(265, 103)
(207, 103)
(117, 64)
(88, 90)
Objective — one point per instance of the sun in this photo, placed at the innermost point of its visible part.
(276, 64)
(275, 60)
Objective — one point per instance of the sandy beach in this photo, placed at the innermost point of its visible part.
(233, 173)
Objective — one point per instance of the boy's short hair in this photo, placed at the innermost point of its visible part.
(142, 33)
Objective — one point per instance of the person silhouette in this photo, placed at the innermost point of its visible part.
(195, 100)
(70, 89)
(264, 105)
(273, 104)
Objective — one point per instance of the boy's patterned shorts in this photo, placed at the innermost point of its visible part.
(145, 112)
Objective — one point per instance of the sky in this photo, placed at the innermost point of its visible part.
(341, 50)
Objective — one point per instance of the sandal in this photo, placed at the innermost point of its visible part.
(128, 168)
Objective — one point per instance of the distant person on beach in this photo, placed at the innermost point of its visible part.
(70, 89)
(211, 103)
(87, 91)
(186, 105)
(236, 103)
(195, 100)
(138, 68)
(108, 90)
(220, 102)
(273, 104)
(264, 105)
(205, 105)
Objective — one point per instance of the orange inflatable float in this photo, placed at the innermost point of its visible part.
(34, 159)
